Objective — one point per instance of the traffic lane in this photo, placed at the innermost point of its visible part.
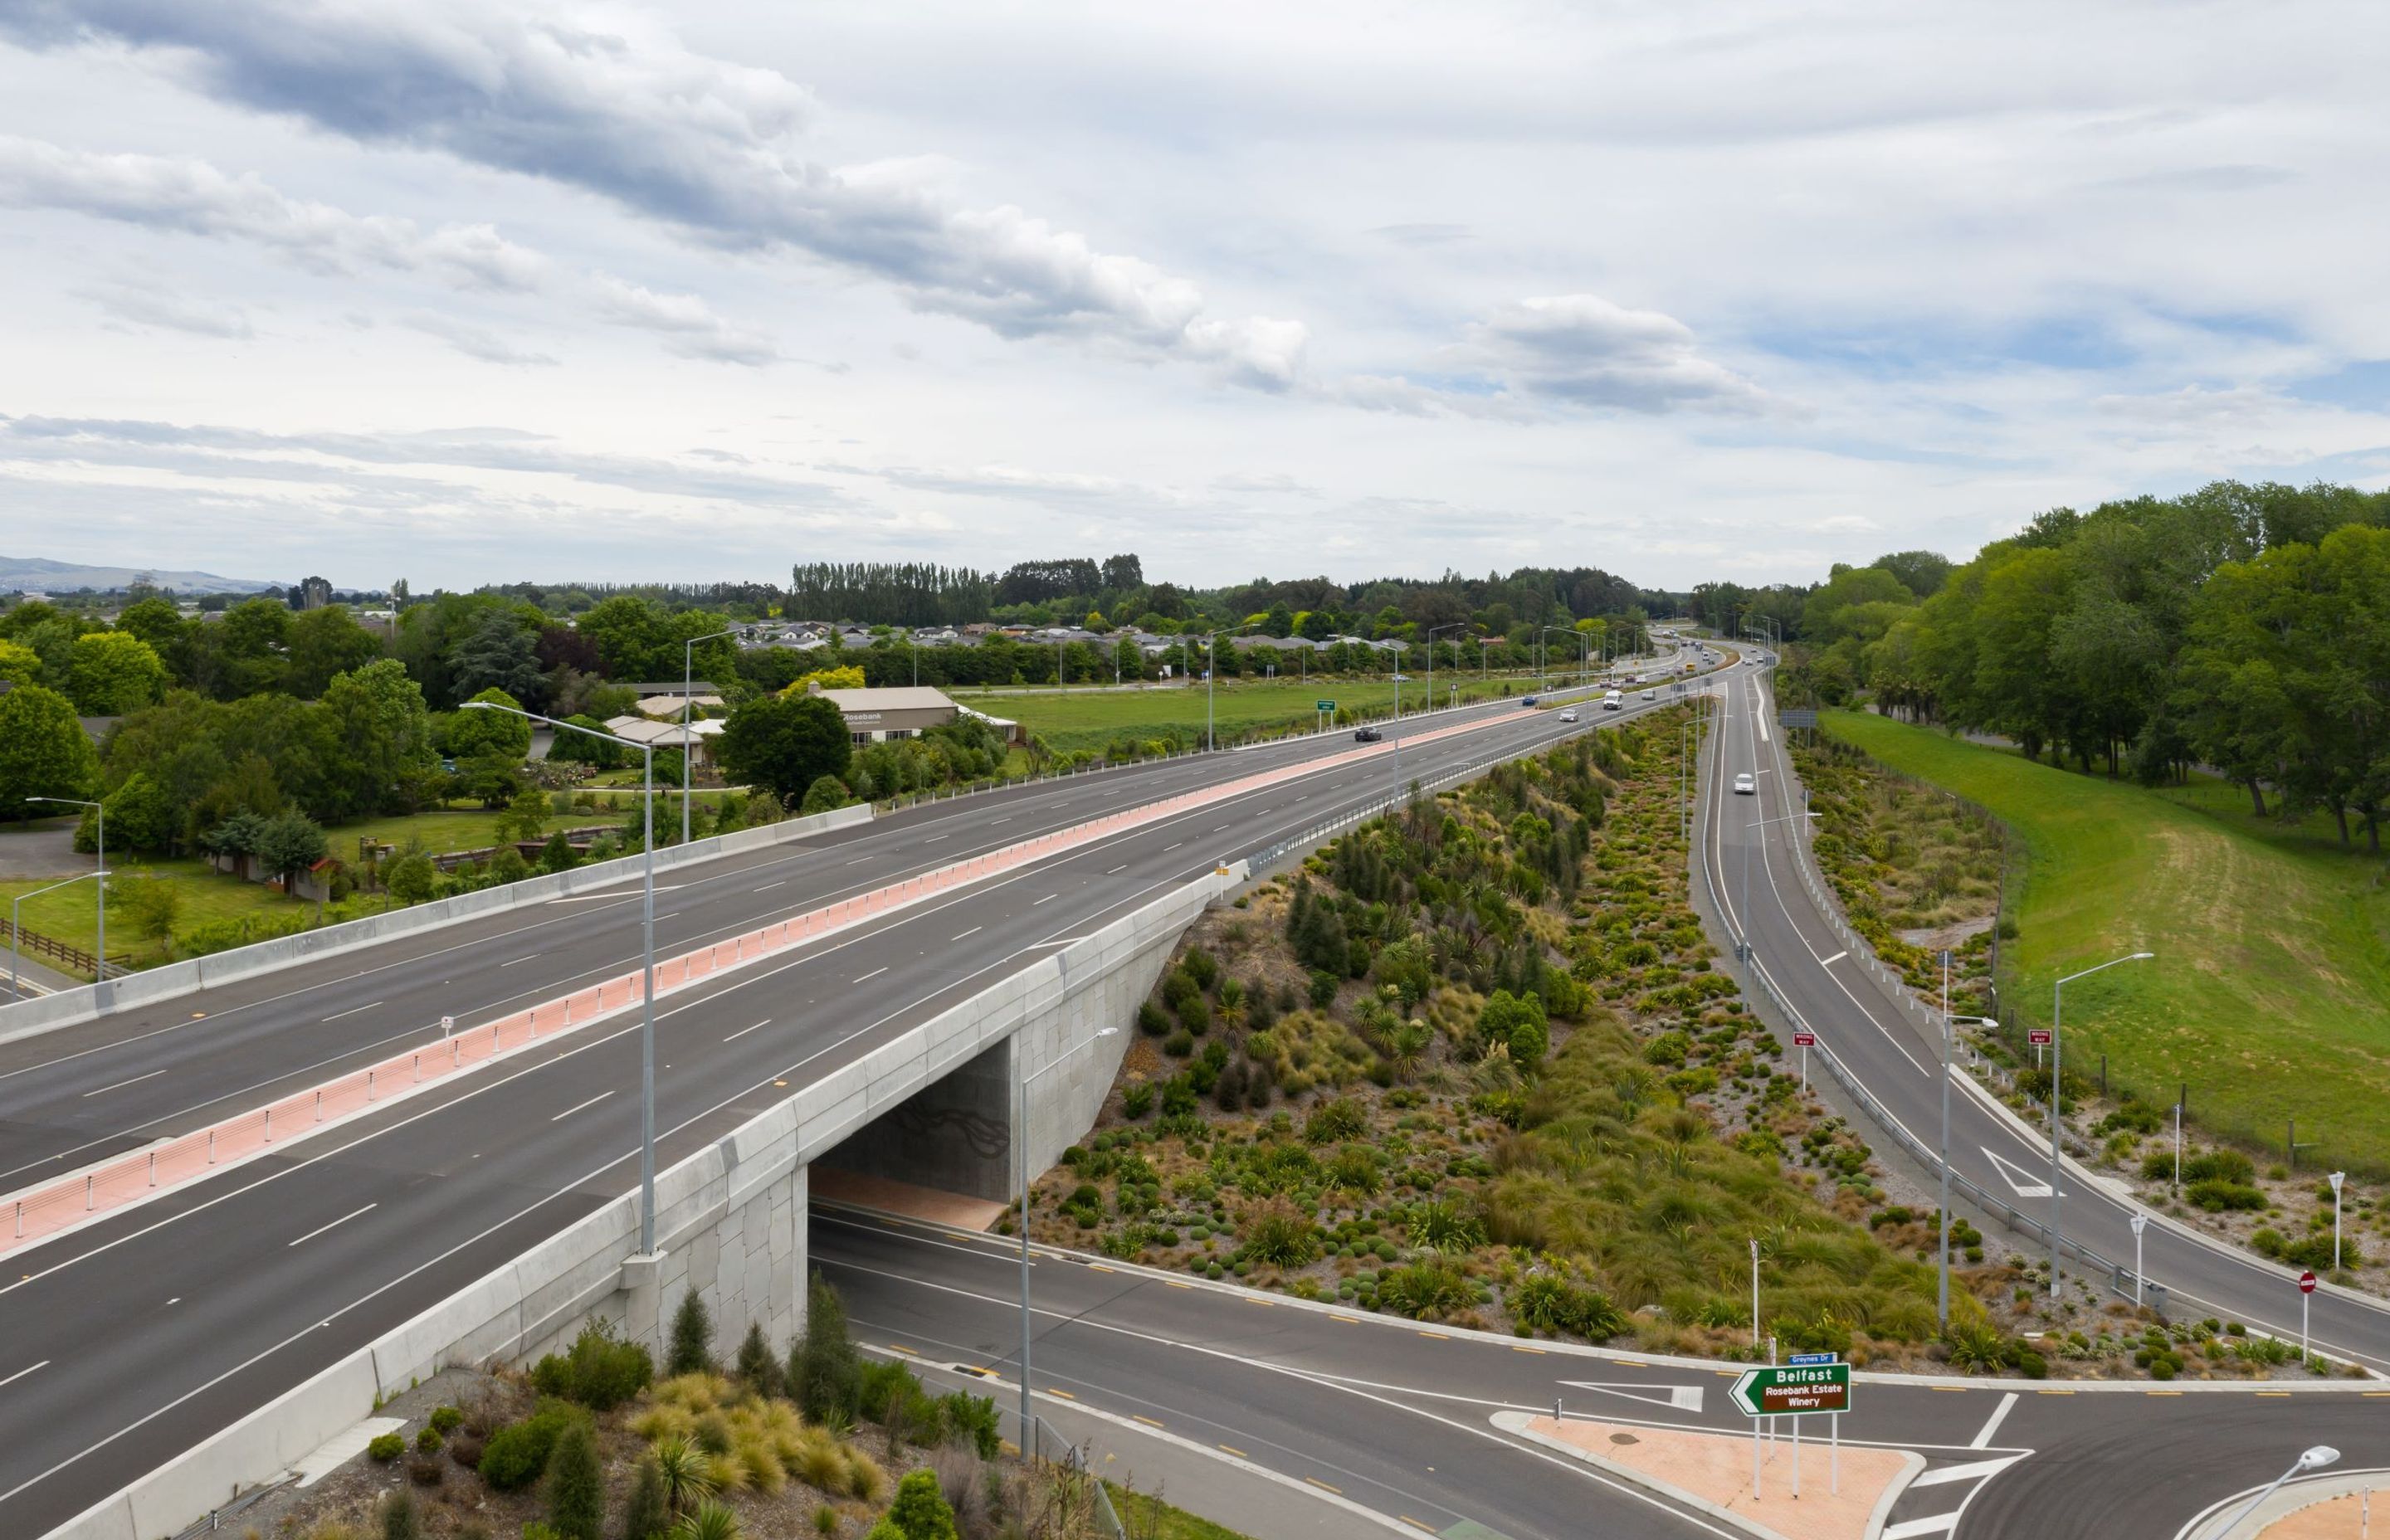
(2203, 1277)
(2098, 1472)
(150, 1243)
(81, 1106)
(1363, 1352)
(1429, 1468)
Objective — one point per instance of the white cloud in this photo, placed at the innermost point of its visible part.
(685, 320)
(1582, 349)
(145, 304)
(188, 195)
(475, 342)
(621, 108)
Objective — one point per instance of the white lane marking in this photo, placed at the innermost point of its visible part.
(993, 822)
(583, 898)
(334, 1225)
(2009, 1172)
(21, 1373)
(1682, 1398)
(1829, 962)
(873, 974)
(1174, 845)
(1999, 1414)
(769, 886)
(1047, 899)
(744, 1031)
(1117, 870)
(935, 837)
(122, 1084)
(1217, 830)
(337, 1015)
(1967, 1471)
(591, 1102)
(1940, 1523)
(860, 860)
(972, 931)
(524, 959)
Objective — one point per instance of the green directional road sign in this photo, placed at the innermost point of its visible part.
(1324, 705)
(1794, 1390)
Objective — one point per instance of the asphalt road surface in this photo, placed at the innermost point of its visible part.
(1164, 1374)
(1899, 1061)
(136, 1337)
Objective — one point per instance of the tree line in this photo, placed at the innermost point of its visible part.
(2244, 628)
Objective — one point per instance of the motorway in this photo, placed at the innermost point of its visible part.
(1808, 967)
(133, 1338)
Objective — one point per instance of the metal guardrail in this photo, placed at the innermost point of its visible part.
(2014, 1219)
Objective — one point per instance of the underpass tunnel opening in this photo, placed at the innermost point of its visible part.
(952, 1136)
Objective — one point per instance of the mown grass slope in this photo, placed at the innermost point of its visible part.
(2270, 991)
(1091, 719)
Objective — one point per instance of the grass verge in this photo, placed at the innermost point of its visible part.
(2271, 982)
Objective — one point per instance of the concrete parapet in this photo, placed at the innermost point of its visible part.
(68, 1007)
(729, 1218)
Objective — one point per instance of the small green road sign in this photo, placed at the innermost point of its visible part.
(1323, 705)
(1794, 1390)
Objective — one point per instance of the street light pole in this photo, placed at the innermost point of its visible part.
(2141, 1223)
(648, 947)
(99, 870)
(2313, 1460)
(17, 932)
(1020, 1145)
(1942, 1294)
(2056, 1068)
(688, 759)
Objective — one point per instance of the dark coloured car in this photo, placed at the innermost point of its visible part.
(1367, 734)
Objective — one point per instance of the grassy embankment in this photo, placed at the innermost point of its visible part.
(2271, 984)
(1092, 718)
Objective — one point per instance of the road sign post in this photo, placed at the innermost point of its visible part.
(1811, 1383)
(1804, 1041)
(2306, 1293)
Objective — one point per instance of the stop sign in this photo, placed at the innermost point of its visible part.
(2306, 1283)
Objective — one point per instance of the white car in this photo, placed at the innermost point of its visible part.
(1569, 715)
(1746, 784)
(1650, 696)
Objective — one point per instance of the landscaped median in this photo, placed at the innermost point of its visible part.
(67, 1202)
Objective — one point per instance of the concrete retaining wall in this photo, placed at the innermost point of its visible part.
(729, 1219)
(30, 1018)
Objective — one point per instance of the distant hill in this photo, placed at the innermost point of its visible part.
(65, 577)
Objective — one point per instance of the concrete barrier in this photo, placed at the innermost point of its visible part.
(729, 1221)
(68, 1007)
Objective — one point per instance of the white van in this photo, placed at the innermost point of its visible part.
(1613, 702)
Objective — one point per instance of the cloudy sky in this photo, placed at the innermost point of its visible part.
(468, 290)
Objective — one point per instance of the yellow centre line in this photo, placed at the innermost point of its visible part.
(1147, 1420)
(1415, 1523)
(2163, 1392)
(1175, 1284)
(2268, 1392)
(1324, 1486)
(1064, 1394)
(899, 1347)
(1233, 1450)
(1098, 1268)
(1516, 1348)
(1345, 1319)
(1962, 1389)
(1436, 1336)
(2053, 1392)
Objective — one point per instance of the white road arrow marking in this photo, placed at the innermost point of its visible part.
(2031, 1186)
(1683, 1398)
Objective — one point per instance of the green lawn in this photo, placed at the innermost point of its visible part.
(2271, 990)
(208, 896)
(1094, 717)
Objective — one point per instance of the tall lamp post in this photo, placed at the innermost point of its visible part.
(99, 869)
(2313, 1460)
(1211, 670)
(1456, 626)
(647, 943)
(2057, 1066)
(1583, 648)
(688, 757)
(1020, 1144)
(17, 930)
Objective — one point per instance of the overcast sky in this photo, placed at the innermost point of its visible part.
(474, 291)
